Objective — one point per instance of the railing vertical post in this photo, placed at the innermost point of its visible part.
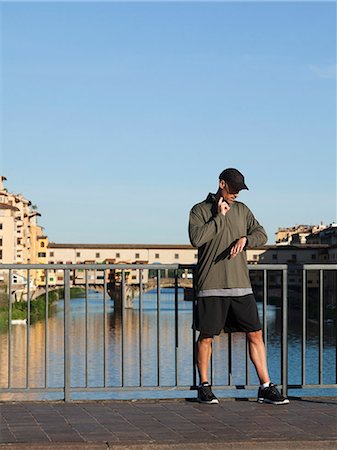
(104, 329)
(285, 333)
(336, 333)
(140, 323)
(247, 361)
(265, 297)
(9, 329)
(176, 325)
(158, 327)
(86, 328)
(28, 332)
(321, 325)
(230, 372)
(304, 325)
(67, 379)
(46, 344)
(194, 342)
(123, 325)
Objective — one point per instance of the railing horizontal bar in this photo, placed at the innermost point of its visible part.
(251, 266)
(163, 388)
(311, 386)
(320, 266)
(89, 266)
(267, 266)
(155, 388)
(152, 266)
(18, 390)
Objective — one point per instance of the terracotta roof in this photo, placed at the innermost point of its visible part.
(124, 246)
(7, 206)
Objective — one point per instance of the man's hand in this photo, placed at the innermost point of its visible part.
(223, 206)
(239, 246)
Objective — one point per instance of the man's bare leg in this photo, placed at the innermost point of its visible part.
(204, 351)
(257, 351)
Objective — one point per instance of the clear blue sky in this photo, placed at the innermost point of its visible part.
(117, 118)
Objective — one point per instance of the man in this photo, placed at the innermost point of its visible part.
(221, 228)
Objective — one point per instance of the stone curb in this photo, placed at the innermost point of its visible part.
(242, 445)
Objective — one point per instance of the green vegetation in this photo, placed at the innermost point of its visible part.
(3, 295)
(37, 306)
(76, 292)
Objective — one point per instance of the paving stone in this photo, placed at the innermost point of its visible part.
(65, 437)
(168, 422)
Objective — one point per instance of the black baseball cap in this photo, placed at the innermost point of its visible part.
(234, 178)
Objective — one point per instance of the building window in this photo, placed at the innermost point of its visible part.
(0, 241)
(51, 254)
(176, 256)
(0, 254)
(137, 255)
(293, 257)
(255, 257)
(78, 254)
(196, 256)
(118, 255)
(134, 277)
(313, 256)
(156, 255)
(42, 244)
(274, 257)
(97, 255)
(41, 255)
(0, 226)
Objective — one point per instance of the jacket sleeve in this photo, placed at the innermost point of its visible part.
(201, 231)
(256, 234)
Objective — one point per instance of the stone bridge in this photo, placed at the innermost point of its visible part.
(132, 291)
(19, 292)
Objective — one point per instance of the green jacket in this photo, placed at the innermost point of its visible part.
(214, 235)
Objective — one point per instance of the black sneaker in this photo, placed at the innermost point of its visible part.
(205, 394)
(271, 394)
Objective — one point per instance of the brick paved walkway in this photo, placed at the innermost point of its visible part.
(175, 424)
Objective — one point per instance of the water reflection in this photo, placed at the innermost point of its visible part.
(94, 377)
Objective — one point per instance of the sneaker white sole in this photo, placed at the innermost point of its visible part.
(265, 400)
(209, 402)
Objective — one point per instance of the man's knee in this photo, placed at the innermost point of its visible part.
(205, 338)
(255, 337)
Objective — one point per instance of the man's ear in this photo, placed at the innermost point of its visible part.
(222, 184)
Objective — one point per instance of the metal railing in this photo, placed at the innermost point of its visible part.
(159, 342)
(320, 268)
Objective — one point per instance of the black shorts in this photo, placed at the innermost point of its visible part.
(231, 314)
